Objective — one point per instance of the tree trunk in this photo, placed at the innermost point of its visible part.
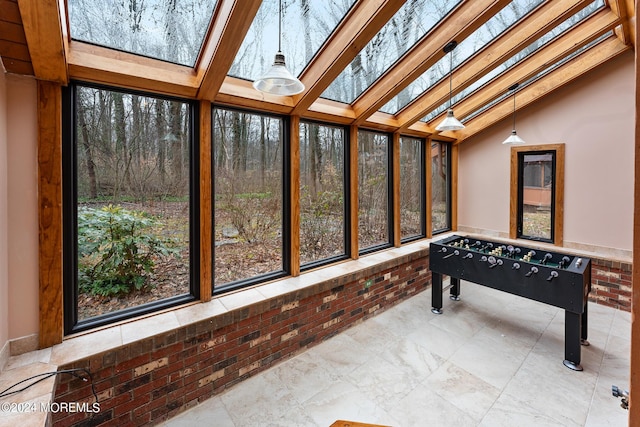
(91, 171)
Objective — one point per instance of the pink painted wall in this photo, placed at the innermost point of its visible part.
(4, 264)
(594, 117)
(22, 155)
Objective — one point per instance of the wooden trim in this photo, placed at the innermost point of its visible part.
(454, 187)
(353, 189)
(206, 208)
(619, 7)
(428, 187)
(230, 25)
(558, 219)
(50, 213)
(107, 66)
(559, 77)
(42, 24)
(294, 167)
(457, 26)
(493, 54)
(240, 93)
(360, 25)
(395, 174)
(634, 374)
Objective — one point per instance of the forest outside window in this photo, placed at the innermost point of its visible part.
(129, 200)
(249, 157)
(374, 201)
(440, 187)
(323, 196)
(412, 189)
(537, 192)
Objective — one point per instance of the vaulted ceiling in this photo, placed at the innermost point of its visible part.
(542, 45)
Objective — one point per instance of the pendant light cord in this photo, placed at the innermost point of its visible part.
(514, 110)
(450, 76)
(280, 27)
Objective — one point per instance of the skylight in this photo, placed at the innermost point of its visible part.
(306, 25)
(520, 56)
(412, 21)
(492, 29)
(172, 31)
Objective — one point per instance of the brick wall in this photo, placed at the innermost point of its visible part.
(148, 381)
(611, 283)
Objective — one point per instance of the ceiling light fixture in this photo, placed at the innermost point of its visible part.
(278, 80)
(514, 138)
(450, 122)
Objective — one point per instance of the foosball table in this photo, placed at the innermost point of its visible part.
(553, 278)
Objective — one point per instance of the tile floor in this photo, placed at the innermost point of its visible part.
(491, 359)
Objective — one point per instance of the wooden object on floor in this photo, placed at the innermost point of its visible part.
(343, 423)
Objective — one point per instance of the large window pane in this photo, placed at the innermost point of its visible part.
(322, 192)
(167, 30)
(411, 188)
(373, 190)
(440, 187)
(130, 201)
(248, 192)
(537, 190)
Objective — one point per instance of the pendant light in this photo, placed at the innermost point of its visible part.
(514, 138)
(450, 122)
(278, 80)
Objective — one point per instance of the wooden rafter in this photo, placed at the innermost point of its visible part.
(492, 55)
(360, 25)
(43, 29)
(620, 8)
(564, 74)
(552, 53)
(230, 25)
(107, 66)
(457, 26)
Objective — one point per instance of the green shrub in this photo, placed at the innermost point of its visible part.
(116, 250)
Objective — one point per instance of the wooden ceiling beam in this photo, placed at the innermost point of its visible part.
(568, 72)
(462, 22)
(492, 55)
(625, 10)
(240, 93)
(228, 29)
(107, 66)
(43, 27)
(550, 54)
(361, 24)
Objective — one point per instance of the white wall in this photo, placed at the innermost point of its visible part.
(594, 117)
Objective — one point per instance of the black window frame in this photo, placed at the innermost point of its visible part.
(286, 206)
(448, 189)
(390, 210)
(423, 192)
(346, 179)
(520, 201)
(70, 212)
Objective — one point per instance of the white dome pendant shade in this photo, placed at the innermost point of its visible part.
(278, 80)
(514, 138)
(450, 122)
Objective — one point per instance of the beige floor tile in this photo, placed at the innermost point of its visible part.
(490, 360)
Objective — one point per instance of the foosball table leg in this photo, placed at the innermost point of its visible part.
(583, 336)
(436, 293)
(454, 292)
(572, 340)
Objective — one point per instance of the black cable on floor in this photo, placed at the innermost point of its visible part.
(46, 375)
